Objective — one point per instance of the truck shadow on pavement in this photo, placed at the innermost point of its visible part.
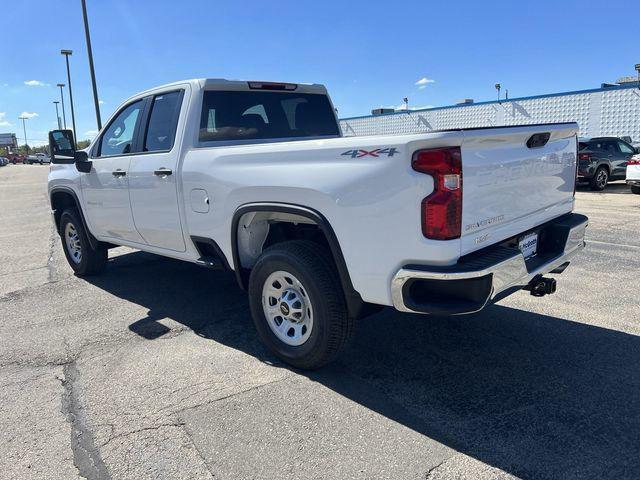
(534, 395)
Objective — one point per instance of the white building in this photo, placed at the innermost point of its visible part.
(610, 110)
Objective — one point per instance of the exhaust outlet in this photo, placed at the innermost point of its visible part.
(541, 286)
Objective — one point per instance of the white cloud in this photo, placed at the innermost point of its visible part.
(28, 115)
(101, 102)
(91, 133)
(35, 83)
(5, 84)
(423, 82)
(3, 122)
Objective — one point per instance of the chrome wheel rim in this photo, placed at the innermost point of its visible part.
(72, 241)
(602, 178)
(287, 308)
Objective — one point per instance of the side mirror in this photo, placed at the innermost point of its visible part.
(63, 151)
(62, 146)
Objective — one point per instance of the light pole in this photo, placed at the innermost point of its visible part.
(64, 116)
(66, 54)
(57, 114)
(498, 87)
(93, 74)
(24, 128)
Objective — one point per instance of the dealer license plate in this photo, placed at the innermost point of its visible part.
(529, 244)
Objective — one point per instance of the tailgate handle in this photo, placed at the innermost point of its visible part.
(538, 140)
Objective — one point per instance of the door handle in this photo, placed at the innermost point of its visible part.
(163, 172)
(119, 173)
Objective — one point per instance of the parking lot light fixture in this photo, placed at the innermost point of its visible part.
(498, 87)
(67, 54)
(64, 116)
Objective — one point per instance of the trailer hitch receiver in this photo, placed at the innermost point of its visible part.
(541, 286)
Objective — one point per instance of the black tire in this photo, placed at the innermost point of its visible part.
(313, 266)
(92, 260)
(600, 179)
(635, 189)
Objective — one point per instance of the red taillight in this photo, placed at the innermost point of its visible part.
(442, 210)
(634, 161)
(584, 156)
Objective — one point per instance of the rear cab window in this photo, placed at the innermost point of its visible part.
(265, 115)
(163, 121)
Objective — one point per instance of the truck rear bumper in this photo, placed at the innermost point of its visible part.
(489, 274)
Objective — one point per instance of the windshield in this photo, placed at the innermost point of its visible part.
(253, 115)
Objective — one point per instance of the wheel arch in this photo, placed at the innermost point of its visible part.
(355, 304)
(64, 197)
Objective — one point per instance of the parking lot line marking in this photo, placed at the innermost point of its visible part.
(635, 247)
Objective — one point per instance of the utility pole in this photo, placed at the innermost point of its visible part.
(66, 54)
(57, 114)
(93, 74)
(498, 87)
(24, 129)
(64, 116)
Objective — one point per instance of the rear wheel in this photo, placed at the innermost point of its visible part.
(298, 305)
(82, 257)
(600, 179)
(635, 189)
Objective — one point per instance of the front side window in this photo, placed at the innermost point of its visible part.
(624, 148)
(252, 115)
(163, 122)
(118, 137)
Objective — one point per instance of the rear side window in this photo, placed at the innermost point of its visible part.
(163, 121)
(254, 115)
(610, 147)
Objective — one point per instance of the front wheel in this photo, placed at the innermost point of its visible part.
(635, 189)
(600, 179)
(298, 305)
(82, 257)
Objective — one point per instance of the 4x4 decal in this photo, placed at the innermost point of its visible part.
(390, 152)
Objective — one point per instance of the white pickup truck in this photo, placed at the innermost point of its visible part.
(320, 229)
(40, 158)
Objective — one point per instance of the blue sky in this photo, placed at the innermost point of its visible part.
(368, 53)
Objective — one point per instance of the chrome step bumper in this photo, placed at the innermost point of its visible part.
(467, 288)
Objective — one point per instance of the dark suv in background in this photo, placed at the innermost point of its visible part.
(603, 159)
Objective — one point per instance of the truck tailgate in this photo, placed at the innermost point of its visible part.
(510, 187)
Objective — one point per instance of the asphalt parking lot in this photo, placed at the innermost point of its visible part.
(153, 370)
